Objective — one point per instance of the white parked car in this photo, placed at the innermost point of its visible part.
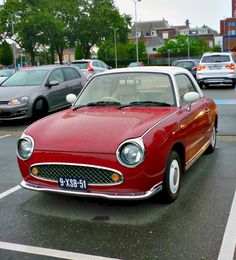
(90, 66)
(217, 68)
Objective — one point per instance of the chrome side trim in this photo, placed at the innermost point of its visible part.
(197, 155)
(155, 189)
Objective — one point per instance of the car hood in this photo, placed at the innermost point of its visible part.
(8, 93)
(94, 129)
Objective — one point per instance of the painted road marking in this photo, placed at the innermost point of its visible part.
(50, 252)
(228, 246)
(4, 136)
(8, 192)
(225, 101)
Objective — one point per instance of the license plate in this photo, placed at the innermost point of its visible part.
(215, 68)
(73, 183)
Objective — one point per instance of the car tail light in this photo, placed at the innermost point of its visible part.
(201, 67)
(90, 68)
(194, 68)
(230, 66)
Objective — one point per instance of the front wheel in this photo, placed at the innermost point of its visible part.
(212, 146)
(171, 182)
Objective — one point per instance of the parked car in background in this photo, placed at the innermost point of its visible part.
(34, 92)
(91, 67)
(217, 68)
(130, 134)
(6, 73)
(188, 64)
(136, 64)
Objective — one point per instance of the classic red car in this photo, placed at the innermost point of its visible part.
(128, 135)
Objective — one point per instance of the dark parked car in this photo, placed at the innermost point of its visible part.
(34, 92)
(190, 65)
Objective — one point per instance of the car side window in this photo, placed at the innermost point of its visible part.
(184, 85)
(71, 73)
(56, 75)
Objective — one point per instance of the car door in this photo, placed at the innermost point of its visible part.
(73, 80)
(57, 92)
(196, 123)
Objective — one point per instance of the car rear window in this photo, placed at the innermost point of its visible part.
(81, 65)
(216, 58)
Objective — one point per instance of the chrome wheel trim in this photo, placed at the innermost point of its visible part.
(213, 137)
(174, 176)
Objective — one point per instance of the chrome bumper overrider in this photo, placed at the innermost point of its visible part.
(133, 196)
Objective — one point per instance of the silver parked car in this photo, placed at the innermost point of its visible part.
(217, 68)
(34, 92)
(91, 67)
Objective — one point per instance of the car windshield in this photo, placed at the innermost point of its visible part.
(26, 78)
(5, 73)
(128, 89)
(215, 58)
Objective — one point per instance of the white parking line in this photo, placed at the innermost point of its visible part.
(50, 252)
(4, 136)
(228, 246)
(8, 192)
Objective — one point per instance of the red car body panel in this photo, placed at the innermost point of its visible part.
(91, 136)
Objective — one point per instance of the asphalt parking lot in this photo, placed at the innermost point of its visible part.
(199, 225)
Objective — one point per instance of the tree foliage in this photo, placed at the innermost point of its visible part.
(179, 46)
(61, 24)
(6, 55)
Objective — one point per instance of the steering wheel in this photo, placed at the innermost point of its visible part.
(111, 99)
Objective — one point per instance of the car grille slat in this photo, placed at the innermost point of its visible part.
(94, 175)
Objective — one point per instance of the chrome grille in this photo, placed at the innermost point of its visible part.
(94, 175)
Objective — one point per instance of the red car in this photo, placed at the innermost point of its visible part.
(130, 134)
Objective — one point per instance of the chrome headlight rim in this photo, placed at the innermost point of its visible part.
(138, 143)
(28, 139)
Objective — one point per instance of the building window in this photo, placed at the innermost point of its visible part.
(153, 33)
(165, 35)
(154, 49)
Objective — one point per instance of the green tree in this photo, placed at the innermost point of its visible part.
(179, 46)
(79, 53)
(6, 55)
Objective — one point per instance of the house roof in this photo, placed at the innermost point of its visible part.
(148, 26)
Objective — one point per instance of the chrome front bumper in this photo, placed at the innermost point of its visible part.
(116, 196)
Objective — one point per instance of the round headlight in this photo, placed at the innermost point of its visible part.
(25, 147)
(131, 154)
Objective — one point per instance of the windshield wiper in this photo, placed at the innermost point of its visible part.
(146, 103)
(100, 103)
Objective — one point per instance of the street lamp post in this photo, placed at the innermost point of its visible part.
(14, 44)
(136, 36)
(115, 45)
(12, 31)
(188, 46)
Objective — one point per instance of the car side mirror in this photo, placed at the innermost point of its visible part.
(70, 98)
(190, 97)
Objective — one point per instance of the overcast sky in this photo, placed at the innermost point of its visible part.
(199, 12)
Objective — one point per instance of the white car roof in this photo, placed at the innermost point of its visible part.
(172, 70)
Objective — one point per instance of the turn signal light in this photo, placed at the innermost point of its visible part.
(35, 171)
(201, 67)
(115, 177)
(230, 66)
